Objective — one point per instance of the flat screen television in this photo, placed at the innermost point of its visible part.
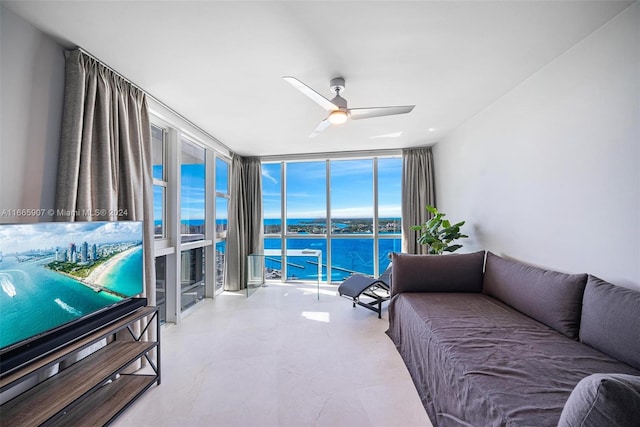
(60, 280)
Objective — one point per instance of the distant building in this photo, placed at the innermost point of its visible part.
(84, 252)
(71, 253)
(61, 256)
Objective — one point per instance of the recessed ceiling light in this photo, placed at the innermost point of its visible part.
(431, 129)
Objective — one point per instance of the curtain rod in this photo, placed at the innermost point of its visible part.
(113, 70)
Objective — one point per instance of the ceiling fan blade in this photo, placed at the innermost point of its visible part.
(321, 100)
(321, 126)
(365, 113)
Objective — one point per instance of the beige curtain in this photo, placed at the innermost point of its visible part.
(105, 165)
(245, 229)
(417, 192)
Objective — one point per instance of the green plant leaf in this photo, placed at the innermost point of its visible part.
(437, 233)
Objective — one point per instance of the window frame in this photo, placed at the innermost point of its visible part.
(375, 236)
(163, 183)
(176, 129)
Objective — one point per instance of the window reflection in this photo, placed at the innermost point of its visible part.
(192, 277)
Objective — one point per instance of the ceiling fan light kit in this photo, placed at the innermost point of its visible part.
(337, 107)
(337, 117)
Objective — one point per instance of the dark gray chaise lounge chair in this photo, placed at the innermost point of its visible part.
(378, 289)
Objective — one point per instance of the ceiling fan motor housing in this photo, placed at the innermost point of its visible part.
(337, 85)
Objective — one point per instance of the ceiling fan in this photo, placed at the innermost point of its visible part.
(337, 107)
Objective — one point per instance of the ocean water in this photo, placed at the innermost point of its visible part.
(34, 299)
(348, 256)
(126, 276)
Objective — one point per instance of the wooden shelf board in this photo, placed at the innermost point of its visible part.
(60, 354)
(56, 393)
(106, 402)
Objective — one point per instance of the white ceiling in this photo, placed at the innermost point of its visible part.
(220, 63)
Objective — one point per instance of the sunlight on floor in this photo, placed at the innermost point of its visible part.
(318, 316)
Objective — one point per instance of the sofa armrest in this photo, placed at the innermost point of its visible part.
(437, 273)
(603, 400)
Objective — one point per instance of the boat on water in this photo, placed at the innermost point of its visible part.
(7, 287)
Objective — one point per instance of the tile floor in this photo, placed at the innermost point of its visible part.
(279, 358)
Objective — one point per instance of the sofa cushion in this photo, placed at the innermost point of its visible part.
(550, 297)
(611, 320)
(603, 400)
(476, 361)
(437, 273)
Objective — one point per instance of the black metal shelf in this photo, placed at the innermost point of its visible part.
(93, 390)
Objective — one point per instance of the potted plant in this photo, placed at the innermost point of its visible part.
(438, 233)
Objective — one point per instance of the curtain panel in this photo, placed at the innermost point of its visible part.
(417, 192)
(104, 166)
(245, 229)
(105, 163)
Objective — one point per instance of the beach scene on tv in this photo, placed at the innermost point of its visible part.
(54, 273)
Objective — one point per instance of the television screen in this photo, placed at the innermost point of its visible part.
(55, 273)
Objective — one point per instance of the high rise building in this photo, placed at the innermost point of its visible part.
(84, 252)
(72, 255)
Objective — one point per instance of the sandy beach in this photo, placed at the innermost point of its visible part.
(98, 275)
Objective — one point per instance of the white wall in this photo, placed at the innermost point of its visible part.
(31, 93)
(550, 173)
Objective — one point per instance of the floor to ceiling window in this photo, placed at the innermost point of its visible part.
(222, 203)
(190, 210)
(347, 208)
(192, 224)
(160, 184)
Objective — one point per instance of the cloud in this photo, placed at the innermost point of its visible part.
(267, 174)
(47, 235)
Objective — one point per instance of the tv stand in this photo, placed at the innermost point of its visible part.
(94, 390)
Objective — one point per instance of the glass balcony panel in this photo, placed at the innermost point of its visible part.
(306, 267)
(351, 256)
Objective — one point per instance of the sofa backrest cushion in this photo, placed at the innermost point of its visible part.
(603, 400)
(437, 273)
(550, 297)
(611, 320)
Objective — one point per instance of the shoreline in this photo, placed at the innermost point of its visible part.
(93, 287)
(96, 277)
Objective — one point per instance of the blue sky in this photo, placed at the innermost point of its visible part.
(351, 189)
(192, 190)
(46, 235)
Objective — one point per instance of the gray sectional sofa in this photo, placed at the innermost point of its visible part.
(497, 342)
